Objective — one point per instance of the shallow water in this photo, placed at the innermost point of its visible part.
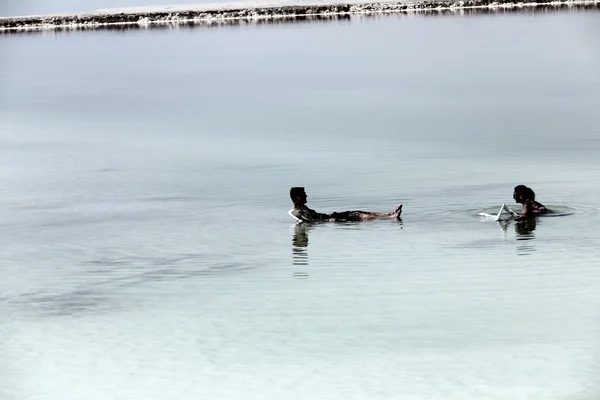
(147, 250)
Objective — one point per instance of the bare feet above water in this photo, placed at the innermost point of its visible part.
(397, 212)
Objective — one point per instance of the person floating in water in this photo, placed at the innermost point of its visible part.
(302, 212)
(526, 196)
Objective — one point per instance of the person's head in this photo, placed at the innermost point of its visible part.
(298, 196)
(522, 193)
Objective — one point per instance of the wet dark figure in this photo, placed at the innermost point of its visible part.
(526, 196)
(302, 212)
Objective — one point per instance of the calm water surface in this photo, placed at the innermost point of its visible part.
(146, 248)
(11, 8)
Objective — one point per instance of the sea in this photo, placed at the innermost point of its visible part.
(146, 247)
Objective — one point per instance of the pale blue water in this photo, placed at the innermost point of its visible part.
(147, 251)
(42, 7)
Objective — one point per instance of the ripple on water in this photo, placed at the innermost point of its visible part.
(556, 210)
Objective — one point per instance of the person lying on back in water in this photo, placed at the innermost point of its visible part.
(526, 196)
(302, 212)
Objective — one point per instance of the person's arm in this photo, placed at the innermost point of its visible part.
(527, 211)
(511, 212)
(527, 208)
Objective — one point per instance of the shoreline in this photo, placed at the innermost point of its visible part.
(236, 13)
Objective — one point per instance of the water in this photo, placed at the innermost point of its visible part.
(147, 251)
(10, 8)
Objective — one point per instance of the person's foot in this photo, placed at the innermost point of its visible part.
(397, 212)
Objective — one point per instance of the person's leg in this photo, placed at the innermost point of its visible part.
(368, 215)
(359, 215)
(343, 216)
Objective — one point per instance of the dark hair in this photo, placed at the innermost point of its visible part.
(295, 192)
(525, 192)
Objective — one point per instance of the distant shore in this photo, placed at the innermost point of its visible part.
(235, 13)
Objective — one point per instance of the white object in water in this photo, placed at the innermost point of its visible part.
(511, 212)
(496, 217)
(291, 214)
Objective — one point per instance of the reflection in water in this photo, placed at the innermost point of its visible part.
(180, 24)
(524, 233)
(209, 19)
(525, 228)
(300, 250)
